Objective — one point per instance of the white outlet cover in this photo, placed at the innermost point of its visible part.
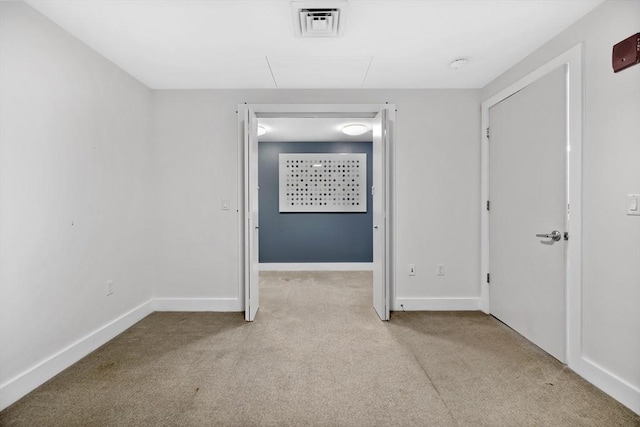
(633, 204)
(412, 269)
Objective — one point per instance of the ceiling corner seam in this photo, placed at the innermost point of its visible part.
(271, 71)
(366, 73)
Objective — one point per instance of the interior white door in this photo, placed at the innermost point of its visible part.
(252, 227)
(380, 215)
(528, 197)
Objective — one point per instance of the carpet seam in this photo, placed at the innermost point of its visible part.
(455, 420)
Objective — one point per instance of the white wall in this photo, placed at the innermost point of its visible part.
(610, 353)
(74, 186)
(437, 182)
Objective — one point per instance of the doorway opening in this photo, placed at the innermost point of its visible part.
(372, 197)
(314, 199)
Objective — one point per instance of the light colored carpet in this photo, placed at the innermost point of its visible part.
(318, 355)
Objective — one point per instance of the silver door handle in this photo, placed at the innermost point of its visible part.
(555, 235)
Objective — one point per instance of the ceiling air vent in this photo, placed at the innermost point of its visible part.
(318, 18)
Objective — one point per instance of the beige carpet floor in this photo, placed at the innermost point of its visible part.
(317, 355)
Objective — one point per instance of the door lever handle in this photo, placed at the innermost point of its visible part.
(555, 235)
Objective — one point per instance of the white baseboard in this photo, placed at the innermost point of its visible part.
(316, 266)
(436, 304)
(27, 381)
(22, 384)
(198, 304)
(608, 382)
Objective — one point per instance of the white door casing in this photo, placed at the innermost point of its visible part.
(528, 196)
(249, 233)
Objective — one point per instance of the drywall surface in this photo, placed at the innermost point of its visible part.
(436, 174)
(311, 237)
(611, 170)
(74, 185)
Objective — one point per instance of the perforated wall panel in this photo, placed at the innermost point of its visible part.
(323, 182)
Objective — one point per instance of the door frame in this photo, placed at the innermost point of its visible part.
(572, 58)
(322, 110)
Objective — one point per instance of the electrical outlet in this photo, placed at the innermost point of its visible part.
(633, 204)
(412, 269)
(440, 269)
(109, 288)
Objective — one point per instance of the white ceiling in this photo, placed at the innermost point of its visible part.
(322, 129)
(196, 44)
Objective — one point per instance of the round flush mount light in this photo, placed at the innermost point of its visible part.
(355, 129)
(459, 63)
(261, 130)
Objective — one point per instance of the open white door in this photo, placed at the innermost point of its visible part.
(380, 193)
(251, 290)
(528, 211)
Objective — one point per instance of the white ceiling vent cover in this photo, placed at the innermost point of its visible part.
(318, 18)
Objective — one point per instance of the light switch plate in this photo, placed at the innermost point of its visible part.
(633, 204)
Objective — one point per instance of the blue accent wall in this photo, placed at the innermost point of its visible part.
(308, 237)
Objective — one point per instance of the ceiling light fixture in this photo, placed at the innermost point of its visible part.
(261, 130)
(459, 63)
(355, 129)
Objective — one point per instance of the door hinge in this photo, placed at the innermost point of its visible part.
(488, 205)
(488, 278)
(566, 235)
(487, 132)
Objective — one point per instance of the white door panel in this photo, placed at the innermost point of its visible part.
(528, 196)
(380, 217)
(252, 229)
